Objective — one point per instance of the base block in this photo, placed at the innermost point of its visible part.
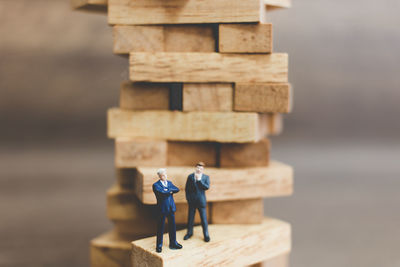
(230, 245)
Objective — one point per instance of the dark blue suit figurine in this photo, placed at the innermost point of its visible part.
(164, 190)
(196, 185)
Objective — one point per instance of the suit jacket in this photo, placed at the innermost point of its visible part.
(164, 195)
(195, 190)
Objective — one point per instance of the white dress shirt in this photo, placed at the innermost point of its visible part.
(164, 183)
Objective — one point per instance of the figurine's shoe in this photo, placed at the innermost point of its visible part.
(159, 249)
(187, 236)
(207, 238)
(176, 246)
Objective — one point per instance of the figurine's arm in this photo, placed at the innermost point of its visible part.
(174, 189)
(204, 183)
(158, 190)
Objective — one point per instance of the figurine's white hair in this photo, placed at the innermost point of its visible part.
(161, 171)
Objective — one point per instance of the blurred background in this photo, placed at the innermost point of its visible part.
(58, 76)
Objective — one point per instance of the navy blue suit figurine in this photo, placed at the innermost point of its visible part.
(196, 185)
(164, 190)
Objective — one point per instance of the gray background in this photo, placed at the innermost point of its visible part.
(58, 76)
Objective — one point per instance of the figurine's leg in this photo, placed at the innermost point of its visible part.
(160, 230)
(191, 214)
(171, 228)
(204, 223)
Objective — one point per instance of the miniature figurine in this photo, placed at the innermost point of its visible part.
(196, 185)
(164, 190)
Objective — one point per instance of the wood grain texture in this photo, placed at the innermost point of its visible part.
(164, 38)
(245, 183)
(123, 205)
(244, 211)
(263, 97)
(182, 11)
(278, 3)
(190, 153)
(110, 250)
(245, 155)
(208, 67)
(245, 38)
(144, 96)
(207, 97)
(231, 245)
(234, 127)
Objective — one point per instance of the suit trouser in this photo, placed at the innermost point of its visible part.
(171, 229)
(203, 217)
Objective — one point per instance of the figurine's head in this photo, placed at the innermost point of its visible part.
(162, 173)
(200, 167)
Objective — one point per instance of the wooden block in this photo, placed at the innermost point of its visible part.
(123, 205)
(279, 261)
(110, 250)
(231, 245)
(207, 97)
(246, 183)
(233, 127)
(131, 153)
(208, 67)
(271, 123)
(245, 155)
(125, 177)
(182, 11)
(166, 38)
(245, 38)
(262, 97)
(134, 152)
(278, 3)
(90, 5)
(190, 153)
(144, 96)
(244, 211)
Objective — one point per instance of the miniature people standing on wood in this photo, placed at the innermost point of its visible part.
(196, 185)
(164, 190)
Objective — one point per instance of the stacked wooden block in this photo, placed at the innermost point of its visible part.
(206, 86)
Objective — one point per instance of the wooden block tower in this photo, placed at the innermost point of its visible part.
(204, 85)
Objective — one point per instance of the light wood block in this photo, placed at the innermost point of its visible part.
(263, 97)
(230, 245)
(234, 127)
(144, 96)
(244, 211)
(110, 250)
(245, 38)
(279, 261)
(90, 5)
(278, 3)
(208, 67)
(182, 12)
(207, 97)
(123, 205)
(131, 153)
(165, 38)
(245, 155)
(246, 183)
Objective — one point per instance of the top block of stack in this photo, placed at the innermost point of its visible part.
(136, 12)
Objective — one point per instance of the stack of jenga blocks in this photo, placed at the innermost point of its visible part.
(204, 85)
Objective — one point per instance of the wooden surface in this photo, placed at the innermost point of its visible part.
(124, 177)
(245, 38)
(263, 97)
(207, 97)
(230, 245)
(90, 5)
(245, 155)
(144, 96)
(123, 205)
(279, 261)
(244, 211)
(278, 3)
(226, 184)
(164, 38)
(208, 67)
(131, 153)
(110, 250)
(235, 127)
(181, 12)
